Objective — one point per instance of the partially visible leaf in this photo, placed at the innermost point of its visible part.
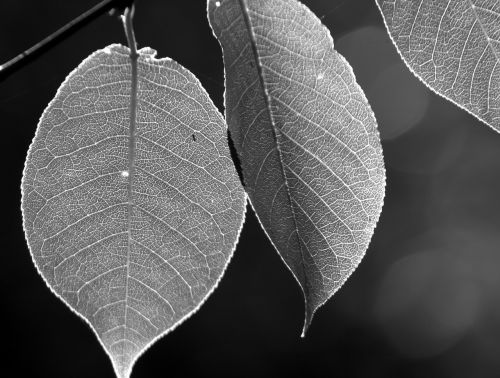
(453, 46)
(306, 138)
(131, 203)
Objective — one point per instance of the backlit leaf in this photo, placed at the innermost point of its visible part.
(453, 46)
(131, 203)
(306, 138)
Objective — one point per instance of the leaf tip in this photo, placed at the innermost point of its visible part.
(304, 331)
(122, 367)
(309, 314)
(123, 358)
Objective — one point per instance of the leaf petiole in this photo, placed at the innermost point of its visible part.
(127, 17)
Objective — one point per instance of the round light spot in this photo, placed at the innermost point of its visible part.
(124, 173)
(369, 51)
(399, 101)
(428, 301)
(217, 3)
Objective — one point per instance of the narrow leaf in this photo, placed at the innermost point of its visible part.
(131, 203)
(306, 138)
(453, 46)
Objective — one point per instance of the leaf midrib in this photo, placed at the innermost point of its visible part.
(131, 162)
(248, 24)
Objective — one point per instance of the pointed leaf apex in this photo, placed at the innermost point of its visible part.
(309, 314)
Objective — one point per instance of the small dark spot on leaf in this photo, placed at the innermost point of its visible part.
(251, 64)
(194, 137)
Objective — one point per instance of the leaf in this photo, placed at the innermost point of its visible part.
(130, 220)
(306, 138)
(453, 46)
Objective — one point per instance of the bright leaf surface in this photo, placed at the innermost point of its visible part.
(306, 138)
(132, 206)
(453, 46)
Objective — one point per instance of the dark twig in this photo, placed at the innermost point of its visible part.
(52, 40)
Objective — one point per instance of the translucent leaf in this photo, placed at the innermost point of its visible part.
(131, 203)
(306, 138)
(453, 46)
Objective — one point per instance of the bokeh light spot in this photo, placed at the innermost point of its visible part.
(398, 100)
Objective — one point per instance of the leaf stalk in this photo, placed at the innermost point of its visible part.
(127, 17)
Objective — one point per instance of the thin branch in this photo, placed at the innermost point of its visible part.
(52, 40)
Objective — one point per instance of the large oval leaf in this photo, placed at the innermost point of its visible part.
(131, 203)
(453, 46)
(306, 138)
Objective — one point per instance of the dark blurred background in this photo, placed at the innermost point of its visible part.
(425, 301)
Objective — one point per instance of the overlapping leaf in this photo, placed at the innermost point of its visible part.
(306, 138)
(131, 203)
(453, 46)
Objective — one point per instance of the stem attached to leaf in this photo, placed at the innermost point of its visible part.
(60, 35)
(127, 17)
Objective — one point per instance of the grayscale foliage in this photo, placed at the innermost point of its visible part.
(306, 137)
(453, 46)
(132, 206)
